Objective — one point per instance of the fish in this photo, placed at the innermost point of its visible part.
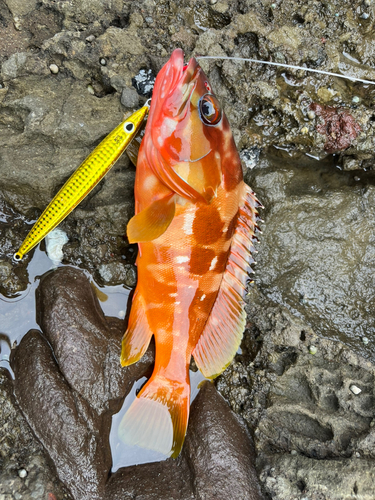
(195, 224)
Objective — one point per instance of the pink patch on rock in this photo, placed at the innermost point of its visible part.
(339, 127)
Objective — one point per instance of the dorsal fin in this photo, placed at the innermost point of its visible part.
(223, 332)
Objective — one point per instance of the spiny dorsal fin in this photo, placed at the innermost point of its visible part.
(223, 332)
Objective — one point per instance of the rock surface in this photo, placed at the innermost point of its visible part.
(314, 436)
(317, 246)
(25, 469)
(68, 395)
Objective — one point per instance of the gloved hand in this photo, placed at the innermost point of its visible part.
(69, 382)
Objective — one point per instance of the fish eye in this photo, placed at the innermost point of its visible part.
(209, 110)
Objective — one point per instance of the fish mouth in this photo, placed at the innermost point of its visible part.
(184, 77)
(183, 74)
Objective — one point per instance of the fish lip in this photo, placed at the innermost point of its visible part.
(187, 84)
(186, 72)
(191, 74)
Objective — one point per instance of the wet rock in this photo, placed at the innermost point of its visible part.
(302, 408)
(298, 477)
(144, 82)
(68, 395)
(117, 273)
(315, 254)
(13, 278)
(20, 451)
(129, 98)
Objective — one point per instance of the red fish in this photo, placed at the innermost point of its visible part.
(194, 225)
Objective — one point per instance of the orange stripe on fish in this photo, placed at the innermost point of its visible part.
(194, 225)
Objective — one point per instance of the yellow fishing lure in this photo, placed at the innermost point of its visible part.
(84, 179)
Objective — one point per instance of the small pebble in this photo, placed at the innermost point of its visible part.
(103, 62)
(356, 99)
(90, 38)
(355, 390)
(310, 115)
(129, 98)
(313, 350)
(121, 314)
(293, 452)
(55, 240)
(54, 68)
(337, 14)
(273, 6)
(22, 473)
(90, 89)
(365, 340)
(365, 15)
(358, 455)
(17, 23)
(212, 2)
(304, 130)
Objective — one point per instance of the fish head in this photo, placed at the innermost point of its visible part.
(187, 125)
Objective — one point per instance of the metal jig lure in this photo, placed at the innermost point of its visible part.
(84, 179)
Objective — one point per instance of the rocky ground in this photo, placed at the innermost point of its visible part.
(304, 381)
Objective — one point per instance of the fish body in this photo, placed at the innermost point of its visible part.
(194, 224)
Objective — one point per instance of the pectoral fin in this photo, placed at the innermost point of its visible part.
(153, 221)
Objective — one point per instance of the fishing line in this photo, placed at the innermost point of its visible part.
(270, 63)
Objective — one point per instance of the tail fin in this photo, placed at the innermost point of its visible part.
(158, 417)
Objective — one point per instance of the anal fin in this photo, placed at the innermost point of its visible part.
(223, 332)
(153, 221)
(138, 334)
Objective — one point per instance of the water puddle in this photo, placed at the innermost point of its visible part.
(18, 315)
